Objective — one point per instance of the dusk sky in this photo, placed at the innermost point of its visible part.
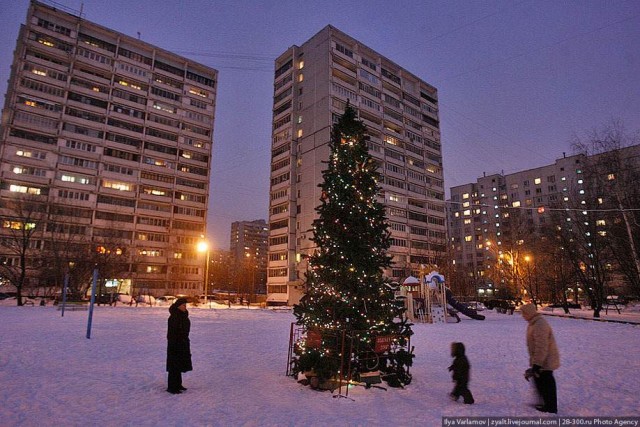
(516, 79)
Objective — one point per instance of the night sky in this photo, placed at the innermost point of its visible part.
(516, 79)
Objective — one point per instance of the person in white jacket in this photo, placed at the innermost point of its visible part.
(544, 357)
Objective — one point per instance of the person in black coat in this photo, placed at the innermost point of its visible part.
(178, 345)
(460, 369)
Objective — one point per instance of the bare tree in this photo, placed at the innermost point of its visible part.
(512, 252)
(23, 220)
(557, 270)
(612, 162)
(67, 246)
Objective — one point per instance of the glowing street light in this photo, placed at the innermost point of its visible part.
(203, 247)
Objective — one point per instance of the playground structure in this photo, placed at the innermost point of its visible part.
(427, 300)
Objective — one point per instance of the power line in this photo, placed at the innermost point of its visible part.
(545, 208)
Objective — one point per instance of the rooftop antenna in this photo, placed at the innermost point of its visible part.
(138, 35)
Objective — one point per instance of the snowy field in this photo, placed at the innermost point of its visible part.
(52, 375)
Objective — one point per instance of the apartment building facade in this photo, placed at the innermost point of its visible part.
(248, 247)
(312, 85)
(485, 217)
(114, 135)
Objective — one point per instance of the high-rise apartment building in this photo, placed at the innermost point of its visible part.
(248, 247)
(498, 212)
(312, 85)
(111, 137)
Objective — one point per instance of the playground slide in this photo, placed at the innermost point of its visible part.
(469, 312)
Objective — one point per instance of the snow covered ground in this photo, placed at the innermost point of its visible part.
(51, 374)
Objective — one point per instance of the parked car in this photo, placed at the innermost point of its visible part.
(125, 299)
(165, 300)
(5, 296)
(476, 305)
(106, 298)
(500, 304)
(146, 299)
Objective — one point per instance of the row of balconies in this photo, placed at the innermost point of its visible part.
(128, 117)
(98, 140)
(351, 63)
(95, 81)
(73, 40)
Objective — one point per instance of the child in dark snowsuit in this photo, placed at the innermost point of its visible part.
(460, 368)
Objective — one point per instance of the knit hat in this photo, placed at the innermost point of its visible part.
(180, 301)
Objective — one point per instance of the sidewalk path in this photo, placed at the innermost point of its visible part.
(629, 314)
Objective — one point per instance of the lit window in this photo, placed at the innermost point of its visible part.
(299, 133)
(611, 176)
(537, 181)
(465, 196)
(301, 65)
(18, 188)
(601, 222)
(77, 179)
(22, 189)
(466, 212)
(465, 204)
(131, 85)
(515, 204)
(467, 221)
(300, 77)
(467, 238)
(122, 186)
(33, 154)
(199, 92)
(299, 119)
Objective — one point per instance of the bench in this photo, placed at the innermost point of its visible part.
(74, 306)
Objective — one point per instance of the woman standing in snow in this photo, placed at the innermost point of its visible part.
(178, 345)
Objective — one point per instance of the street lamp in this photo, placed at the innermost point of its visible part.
(253, 267)
(203, 246)
(534, 295)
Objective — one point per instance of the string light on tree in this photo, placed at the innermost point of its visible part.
(345, 288)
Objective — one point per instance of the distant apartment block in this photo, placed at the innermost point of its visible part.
(248, 247)
(113, 136)
(479, 213)
(312, 84)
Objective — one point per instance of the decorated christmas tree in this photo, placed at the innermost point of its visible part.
(347, 298)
